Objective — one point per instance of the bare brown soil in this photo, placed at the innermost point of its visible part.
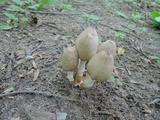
(137, 99)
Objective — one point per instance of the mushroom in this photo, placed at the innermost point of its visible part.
(86, 45)
(109, 45)
(70, 62)
(100, 68)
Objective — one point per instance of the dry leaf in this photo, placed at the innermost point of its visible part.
(133, 81)
(8, 90)
(34, 64)
(120, 50)
(28, 73)
(36, 74)
(129, 72)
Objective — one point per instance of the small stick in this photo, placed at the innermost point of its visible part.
(60, 13)
(9, 67)
(37, 48)
(35, 93)
(8, 56)
(103, 113)
(47, 94)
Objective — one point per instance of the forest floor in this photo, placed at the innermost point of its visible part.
(138, 98)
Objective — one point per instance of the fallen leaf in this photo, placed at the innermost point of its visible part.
(129, 72)
(36, 74)
(8, 90)
(28, 73)
(133, 81)
(34, 64)
(120, 50)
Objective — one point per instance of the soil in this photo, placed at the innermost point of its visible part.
(137, 99)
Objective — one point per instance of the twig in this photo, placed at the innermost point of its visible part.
(35, 93)
(37, 48)
(47, 94)
(60, 13)
(154, 101)
(103, 113)
(9, 67)
(8, 56)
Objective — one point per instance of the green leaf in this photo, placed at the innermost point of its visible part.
(11, 16)
(35, 6)
(136, 16)
(48, 2)
(119, 83)
(99, 39)
(131, 26)
(81, 19)
(15, 8)
(89, 16)
(5, 27)
(2, 1)
(112, 78)
(155, 23)
(19, 2)
(155, 14)
(24, 19)
(157, 19)
(121, 14)
(157, 1)
(119, 34)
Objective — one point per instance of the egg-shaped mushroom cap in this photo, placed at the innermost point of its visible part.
(108, 45)
(100, 66)
(70, 59)
(87, 44)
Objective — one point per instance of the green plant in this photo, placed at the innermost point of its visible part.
(119, 34)
(67, 7)
(156, 19)
(19, 10)
(86, 17)
(115, 81)
(158, 59)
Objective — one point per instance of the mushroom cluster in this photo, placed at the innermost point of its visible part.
(88, 55)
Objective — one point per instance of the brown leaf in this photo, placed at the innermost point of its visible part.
(36, 74)
(120, 50)
(8, 90)
(28, 73)
(34, 64)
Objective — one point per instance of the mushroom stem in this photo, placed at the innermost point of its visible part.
(70, 76)
(81, 67)
(87, 82)
(79, 75)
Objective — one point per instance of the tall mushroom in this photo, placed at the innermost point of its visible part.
(70, 62)
(86, 45)
(109, 45)
(99, 68)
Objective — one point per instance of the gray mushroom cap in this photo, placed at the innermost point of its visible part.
(87, 44)
(70, 59)
(108, 45)
(100, 66)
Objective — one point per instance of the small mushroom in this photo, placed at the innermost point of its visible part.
(100, 67)
(70, 62)
(86, 45)
(109, 45)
